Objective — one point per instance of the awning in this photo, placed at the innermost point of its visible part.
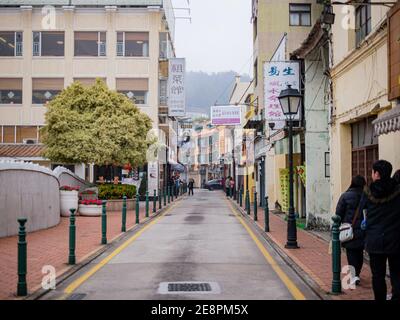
(254, 122)
(175, 166)
(21, 150)
(388, 122)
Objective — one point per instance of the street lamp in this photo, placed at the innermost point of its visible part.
(290, 100)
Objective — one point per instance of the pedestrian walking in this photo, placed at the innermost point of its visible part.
(348, 208)
(177, 185)
(382, 240)
(227, 185)
(191, 186)
(396, 176)
(232, 185)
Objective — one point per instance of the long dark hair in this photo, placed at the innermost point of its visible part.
(396, 176)
(358, 182)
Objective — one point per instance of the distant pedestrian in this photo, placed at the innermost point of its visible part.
(232, 186)
(191, 186)
(396, 176)
(383, 229)
(177, 186)
(227, 185)
(348, 208)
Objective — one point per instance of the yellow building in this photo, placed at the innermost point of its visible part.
(45, 48)
(360, 95)
(272, 19)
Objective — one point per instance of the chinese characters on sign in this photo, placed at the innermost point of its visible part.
(277, 75)
(226, 115)
(176, 88)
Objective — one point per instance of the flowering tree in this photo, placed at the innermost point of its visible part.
(95, 125)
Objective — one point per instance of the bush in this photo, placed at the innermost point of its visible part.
(116, 191)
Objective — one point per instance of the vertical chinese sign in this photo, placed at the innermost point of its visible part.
(277, 76)
(176, 88)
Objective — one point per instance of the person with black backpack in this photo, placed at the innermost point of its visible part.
(348, 208)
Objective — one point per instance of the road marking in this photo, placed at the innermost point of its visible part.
(78, 282)
(296, 293)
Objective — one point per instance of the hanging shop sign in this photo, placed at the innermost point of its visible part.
(226, 115)
(176, 88)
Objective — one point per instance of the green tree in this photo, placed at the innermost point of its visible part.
(95, 125)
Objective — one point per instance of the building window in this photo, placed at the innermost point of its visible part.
(90, 44)
(134, 88)
(163, 101)
(10, 91)
(87, 82)
(300, 14)
(327, 165)
(165, 46)
(363, 21)
(45, 89)
(10, 44)
(132, 44)
(48, 43)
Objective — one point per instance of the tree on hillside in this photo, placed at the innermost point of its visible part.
(95, 125)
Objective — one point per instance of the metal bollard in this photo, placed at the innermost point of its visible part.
(160, 199)
(336, 256)
(137, 208)
(165, 196)
(255, 207)
(123, 228)
(241, 197)
(22, 287)
(104, 223)
(72, 237)
(248, 209)
(169, 194)
(266, 215)
(155, 201)
(147, 204)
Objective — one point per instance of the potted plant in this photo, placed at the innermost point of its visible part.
(69, 197)
(90, 208)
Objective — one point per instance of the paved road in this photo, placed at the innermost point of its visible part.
(200, 239)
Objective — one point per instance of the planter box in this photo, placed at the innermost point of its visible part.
(68, 200)
(116, 205)
(91, 210)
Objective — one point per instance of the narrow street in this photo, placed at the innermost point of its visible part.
(200, 239)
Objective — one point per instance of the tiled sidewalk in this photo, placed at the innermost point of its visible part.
(314, 258)
(50, 247)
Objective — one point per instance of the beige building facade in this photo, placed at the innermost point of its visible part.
(360, 96)
(44, 49)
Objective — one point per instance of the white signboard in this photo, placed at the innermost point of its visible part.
(152, 172)
(277, 76)
(226, 115)
(176, 88)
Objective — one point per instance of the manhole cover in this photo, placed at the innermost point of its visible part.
(189, 287)
(194, 219)
(77, 296)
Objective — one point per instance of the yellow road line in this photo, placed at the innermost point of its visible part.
(78, 282)
(296, 293)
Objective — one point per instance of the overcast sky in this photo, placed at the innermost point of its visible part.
(219, 37)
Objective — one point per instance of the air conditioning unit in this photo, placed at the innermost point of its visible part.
(29, 141)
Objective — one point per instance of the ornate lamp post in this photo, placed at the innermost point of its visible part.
(290, 100)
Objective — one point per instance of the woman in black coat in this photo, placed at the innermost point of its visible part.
(347, 207)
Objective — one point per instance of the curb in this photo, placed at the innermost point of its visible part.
(302, 274)
(71, 270)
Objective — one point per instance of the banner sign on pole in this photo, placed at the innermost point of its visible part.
(176, 88)
(277, 76)
(226, 115)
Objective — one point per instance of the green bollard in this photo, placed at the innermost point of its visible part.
(336, 256)
(147, 204)
(169, 194)
(155, 201)
(165, 196)
(104, 223)
(137, 208)
(22, 287)
(159, 199)
(172, 194)
(72, 237)
(123, 228)
(248, 202)
(241, 197)
(266, 214)
(255, 207)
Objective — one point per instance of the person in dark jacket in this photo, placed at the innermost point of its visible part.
(382, 240)
(191, 186)
(396, 176)
(347, 207)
